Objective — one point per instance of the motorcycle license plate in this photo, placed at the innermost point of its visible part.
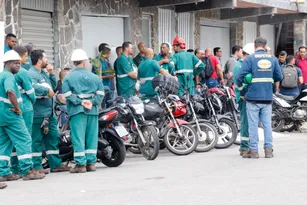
(121, 130)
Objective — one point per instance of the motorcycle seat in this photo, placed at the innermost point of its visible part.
(286, 97)
(104, 111)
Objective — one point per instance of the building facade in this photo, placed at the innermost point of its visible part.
(59, 26)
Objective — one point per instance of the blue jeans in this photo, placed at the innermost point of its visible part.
(264, 112)
(212, 83)
(63, 114)
(109, 95)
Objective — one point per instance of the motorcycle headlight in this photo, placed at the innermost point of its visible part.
(139, 108)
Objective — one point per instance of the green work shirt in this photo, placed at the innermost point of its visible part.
(43, 107)
(6, 48)
(8, 83)
(24, 82)
(235, 71)
(187, 64)
(126, 85)
(148, 69)
(28, 64)
(138, 59)
(169, 67)
(79, 85)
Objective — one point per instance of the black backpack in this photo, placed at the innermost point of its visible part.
(208, 71)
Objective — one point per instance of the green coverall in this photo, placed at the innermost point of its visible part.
(170, 67)
(148, 69)
(187, 64)
(43, 108)
(126, 85)
(243, 114)
(13, 131)
(80, 85)
(24, 83)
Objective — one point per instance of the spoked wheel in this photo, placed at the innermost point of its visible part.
(208, 137)
(150, 149)
(181, 145)
(277, 122)
(227, 134)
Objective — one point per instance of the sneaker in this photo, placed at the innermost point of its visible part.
(3, 185)
(33, 175)
(78, 169)
(90, 168)
(62, 168)
(43, 171)
(243, 152)
(268, 153)
(251, 154)
(10, 177)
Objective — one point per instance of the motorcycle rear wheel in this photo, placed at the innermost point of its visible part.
(150, 149)
(227, 134)
(118, 154)
(190, 139)
(277, 122)
(208, 137)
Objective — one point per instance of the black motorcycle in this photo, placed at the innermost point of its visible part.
(111, 149)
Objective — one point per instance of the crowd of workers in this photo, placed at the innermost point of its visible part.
(28, 87)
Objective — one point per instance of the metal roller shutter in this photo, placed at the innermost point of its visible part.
(36, 28)
(185, 28)
(166, 25)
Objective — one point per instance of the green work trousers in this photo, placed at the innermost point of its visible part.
(244, 126)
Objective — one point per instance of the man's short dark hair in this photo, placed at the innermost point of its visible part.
(126, 45)
(216, 50)
(301, 47)
(289, 58)
(21, 50)
(10, 35)
(29, 47)
(37, 55)
(102, 46)
(190, 50)
(283, 53)
(117, 49)
(235, 49)
(260, 42)
(196, 51)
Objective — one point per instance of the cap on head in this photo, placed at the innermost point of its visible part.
(78, 55)
(10, 56)
(249, 48)
(179, 41)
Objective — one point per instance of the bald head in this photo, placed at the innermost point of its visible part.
(208, 52)
(149, 53)
(142, 47)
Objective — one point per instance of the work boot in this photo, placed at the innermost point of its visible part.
(251, 154)
(43, 171)
(242, 152)
(10, 177)
(3, 185)
(268, 153)
(33, 175)
(78, 169)
(90, 168)
(62, 168)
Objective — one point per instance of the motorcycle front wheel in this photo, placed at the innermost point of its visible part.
(227, 134)
(150, 149)
(118, 152)
(207, 138)
(181, 145)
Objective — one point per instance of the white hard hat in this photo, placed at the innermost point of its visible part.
(249, 48)
(78, 55)
(10, 56)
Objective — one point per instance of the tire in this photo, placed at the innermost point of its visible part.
(208, 139)
(172, 133)
(226, 139)
(150, 150)
(238, 139)
(277, 122)
(134, 150)
(118, 154)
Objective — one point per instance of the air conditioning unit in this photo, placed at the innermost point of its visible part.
(297, 1)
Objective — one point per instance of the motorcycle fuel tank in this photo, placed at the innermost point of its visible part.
(152, 111)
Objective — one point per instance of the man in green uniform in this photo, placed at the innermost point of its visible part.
(10, 42)
(187, 66)
(84, 92)
(148, 69)
(165, 59)
(244, 145)
(24, 83)
(44, 129)
(126, 72)
(141, 56)
(12, 126)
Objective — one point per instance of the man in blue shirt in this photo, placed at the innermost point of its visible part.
(291, 91)
(10, 42)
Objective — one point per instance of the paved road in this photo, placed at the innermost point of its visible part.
(219, 177)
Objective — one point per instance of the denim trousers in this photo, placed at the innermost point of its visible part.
(256, 111)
